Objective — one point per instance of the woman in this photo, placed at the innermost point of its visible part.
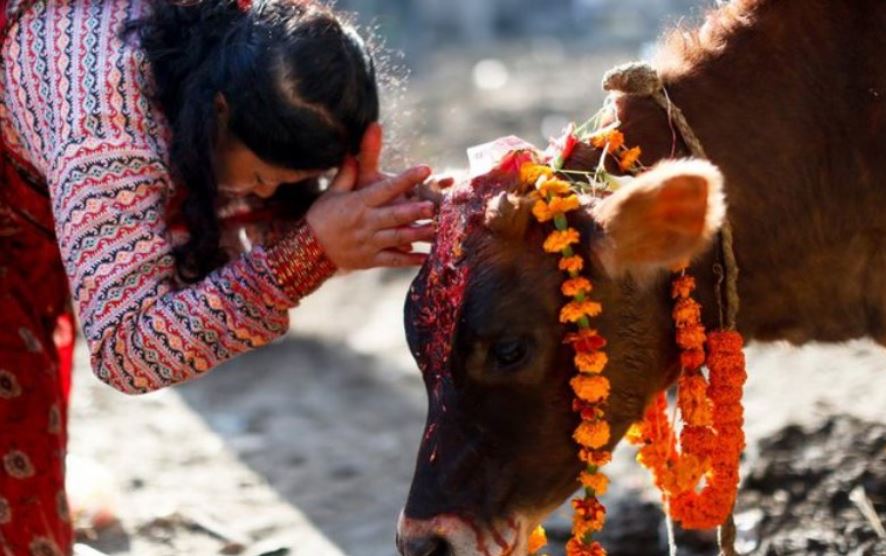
(129, 132)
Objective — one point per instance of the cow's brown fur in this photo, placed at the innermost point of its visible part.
(789, 100)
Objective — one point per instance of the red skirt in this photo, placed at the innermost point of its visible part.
(36, 347)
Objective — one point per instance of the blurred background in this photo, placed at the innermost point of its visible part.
(307, 446)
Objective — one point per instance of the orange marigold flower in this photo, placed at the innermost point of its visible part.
(585, 341)
(576, 547)
(589, 516)
(730, 414)
(630, 158)
(537, 540)
(697, 440)
(562, 205)
(682, 476)
(598, 482)
(590, 388)
(554, 187)
(591, 363)
(530, 172)
(614, 138)
(558, 241)
(597, 458)
(592, 435)
(693, 400)
(692, 359)
(729, 342)
(683, 287)
(542, 211)
(574, 311)
(687, 311)
(576, 286)
(572, 264)
(691, 337)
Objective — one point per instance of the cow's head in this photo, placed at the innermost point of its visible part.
(482, 321)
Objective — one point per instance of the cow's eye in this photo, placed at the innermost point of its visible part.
(509, 352)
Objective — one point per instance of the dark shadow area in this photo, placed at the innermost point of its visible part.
(331, 431)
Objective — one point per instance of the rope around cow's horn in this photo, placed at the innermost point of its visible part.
(641, 79)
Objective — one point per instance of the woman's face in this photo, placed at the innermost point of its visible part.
(241, 173)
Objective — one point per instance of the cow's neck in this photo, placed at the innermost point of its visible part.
(793, 113)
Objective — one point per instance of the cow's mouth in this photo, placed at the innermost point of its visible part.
(454, 535)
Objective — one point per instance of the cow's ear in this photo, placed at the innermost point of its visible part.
(662, 219)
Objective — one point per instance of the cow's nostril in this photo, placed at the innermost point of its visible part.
(427, 546)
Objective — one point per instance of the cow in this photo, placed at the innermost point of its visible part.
(788, 98)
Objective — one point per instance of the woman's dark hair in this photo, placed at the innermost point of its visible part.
(299, 83)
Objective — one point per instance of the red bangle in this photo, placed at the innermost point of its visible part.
(299, 263)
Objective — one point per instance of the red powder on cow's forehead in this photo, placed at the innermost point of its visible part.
(439, 292)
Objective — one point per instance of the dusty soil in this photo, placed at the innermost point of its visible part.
(307, 447)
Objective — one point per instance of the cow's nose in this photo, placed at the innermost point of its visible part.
(425, 546)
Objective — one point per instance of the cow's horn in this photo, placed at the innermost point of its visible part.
(508, 214)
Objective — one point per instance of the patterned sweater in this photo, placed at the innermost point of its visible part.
(73, 104)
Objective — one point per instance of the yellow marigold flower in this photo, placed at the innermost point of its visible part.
(635, 434)
(558, 241)
(575, 310)
(577, 286)
(562, 205)
(542, 211)
(592, 435)
(554, 187)
(630, 158)
(537, 540)
(598, 482)
(530, 172)
(591, 363)
(614, 138)
(590, 388)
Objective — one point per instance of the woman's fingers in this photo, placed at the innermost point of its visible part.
(387, 190)
(397, 215)
(396, 237)
(392, 258)
(346, 179)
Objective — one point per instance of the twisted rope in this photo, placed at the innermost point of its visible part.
(641, 79)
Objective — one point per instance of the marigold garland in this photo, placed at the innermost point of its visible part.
(555, 199)
(712, 439)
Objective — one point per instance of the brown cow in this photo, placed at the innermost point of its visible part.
(789, 100)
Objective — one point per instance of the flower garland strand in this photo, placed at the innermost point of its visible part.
(712, 439)
(555, 198)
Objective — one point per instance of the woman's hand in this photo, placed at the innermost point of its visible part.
(362, 222)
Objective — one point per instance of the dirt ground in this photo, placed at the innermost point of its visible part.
(307, 446)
